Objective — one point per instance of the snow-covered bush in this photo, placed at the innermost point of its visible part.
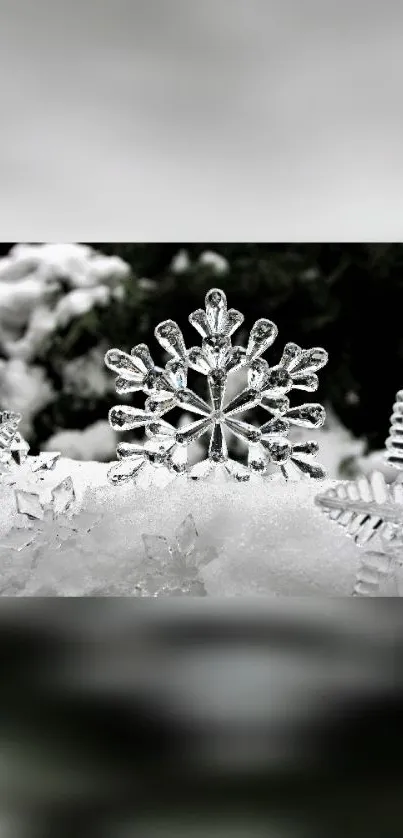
(47, 293)
(43, 287)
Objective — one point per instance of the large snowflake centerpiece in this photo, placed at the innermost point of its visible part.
(267, 444)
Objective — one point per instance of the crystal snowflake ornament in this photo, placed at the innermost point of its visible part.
(173, 568)
(365, 508)
(369, 508)
(394, 442)
(268, 388)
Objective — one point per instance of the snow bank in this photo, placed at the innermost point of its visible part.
(270, 538)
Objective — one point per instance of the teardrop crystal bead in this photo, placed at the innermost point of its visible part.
(191, 401)
(307, 415)
(216, 311)
(171, 339)
(275, 426)
(292, 353)
(129, 449)
(125, 418)
(142, 354)
(197, 360)
(262, 335)
(310, 360)
(127, 385)
(257, 373)
(198, 319)
(218, 446)
(125, 365)
(233, 321)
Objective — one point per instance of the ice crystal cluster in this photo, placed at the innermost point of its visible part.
(13, 448)
(268, 387)
(17, 467)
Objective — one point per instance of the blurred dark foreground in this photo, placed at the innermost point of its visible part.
(228, 719)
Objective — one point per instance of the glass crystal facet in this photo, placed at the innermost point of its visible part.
(13, 448)
(172, 567)
(267, 390)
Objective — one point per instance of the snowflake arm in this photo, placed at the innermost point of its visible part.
(365, 508)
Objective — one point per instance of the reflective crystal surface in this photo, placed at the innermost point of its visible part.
(268, 388)
(63, 496)
(172, 567)
(13, 448)
(28, 503)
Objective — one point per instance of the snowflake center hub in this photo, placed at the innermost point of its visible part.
(217, 416)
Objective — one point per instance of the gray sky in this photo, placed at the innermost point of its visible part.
(221, 119)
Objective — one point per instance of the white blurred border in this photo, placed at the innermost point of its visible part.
(270, 120)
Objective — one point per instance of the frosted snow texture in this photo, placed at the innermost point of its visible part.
(166, 388)
(269, 538)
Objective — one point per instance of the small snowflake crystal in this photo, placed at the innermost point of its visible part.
(166, 388)
(44, 527)
(173, 568)
(17, 466)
